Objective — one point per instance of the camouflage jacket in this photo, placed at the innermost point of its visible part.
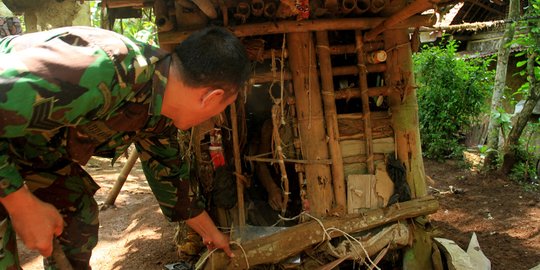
(74, 92)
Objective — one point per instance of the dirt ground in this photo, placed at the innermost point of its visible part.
(506, 219)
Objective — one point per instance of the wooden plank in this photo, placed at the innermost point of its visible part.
(361, 193)
(381, 125)
(357, 147)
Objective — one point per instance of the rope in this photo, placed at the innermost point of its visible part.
(243, 252)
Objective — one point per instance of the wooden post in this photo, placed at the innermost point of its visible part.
(362, 76)
(405, 111)
(238, 167)
(329, 102)
(310, 120)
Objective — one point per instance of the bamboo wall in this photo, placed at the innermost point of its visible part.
(348, 65)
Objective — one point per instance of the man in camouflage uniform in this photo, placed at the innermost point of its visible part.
(74, 92)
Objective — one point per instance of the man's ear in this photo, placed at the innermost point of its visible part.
(213, 97)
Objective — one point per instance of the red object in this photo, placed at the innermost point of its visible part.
(216, 150)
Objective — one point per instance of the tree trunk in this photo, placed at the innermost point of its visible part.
(522, 117)
(500, 84)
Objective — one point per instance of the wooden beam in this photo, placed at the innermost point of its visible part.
(280, 27)
(284, 244)
(126, 3)
(402, 15)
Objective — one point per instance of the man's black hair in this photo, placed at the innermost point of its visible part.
(213, 57)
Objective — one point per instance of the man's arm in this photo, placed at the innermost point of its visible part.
(35, 222)
(212, 237)
(168, 177)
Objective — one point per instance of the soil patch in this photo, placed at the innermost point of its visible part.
(505, 217)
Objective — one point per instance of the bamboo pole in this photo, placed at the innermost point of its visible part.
(280, 27)
(281, 245)
(238, 167)
(356, 93)
(404, 108)
(309, 110)
(330, 112)
(289, 160)
(365, 100)
(270, 76)
(402, 15)
(465, 26)
(334, 50)
(122, 177)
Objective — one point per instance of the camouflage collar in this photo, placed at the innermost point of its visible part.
(159, 82)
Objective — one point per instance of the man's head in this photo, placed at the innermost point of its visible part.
(207, 70)
(213, 57)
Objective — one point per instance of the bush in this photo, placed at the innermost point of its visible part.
(452, 94)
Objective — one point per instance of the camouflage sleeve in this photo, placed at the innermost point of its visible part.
(33, 99)
(63, 77)
(168, 176)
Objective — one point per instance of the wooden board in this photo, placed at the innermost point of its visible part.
(361, 193)
(351, 148)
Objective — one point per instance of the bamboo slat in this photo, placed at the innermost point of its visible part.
(289, 160)
(332, 129)
(334, 50)
(365, 100)
(125, 3)
(266, 77)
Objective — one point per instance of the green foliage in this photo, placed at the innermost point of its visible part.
(452, 93)
(525, 171)
(142, 29)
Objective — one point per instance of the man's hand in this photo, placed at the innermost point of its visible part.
(211, 236)
(34, 221)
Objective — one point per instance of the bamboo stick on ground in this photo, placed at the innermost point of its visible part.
(122, 177)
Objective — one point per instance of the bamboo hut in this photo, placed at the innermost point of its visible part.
(339, 75)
